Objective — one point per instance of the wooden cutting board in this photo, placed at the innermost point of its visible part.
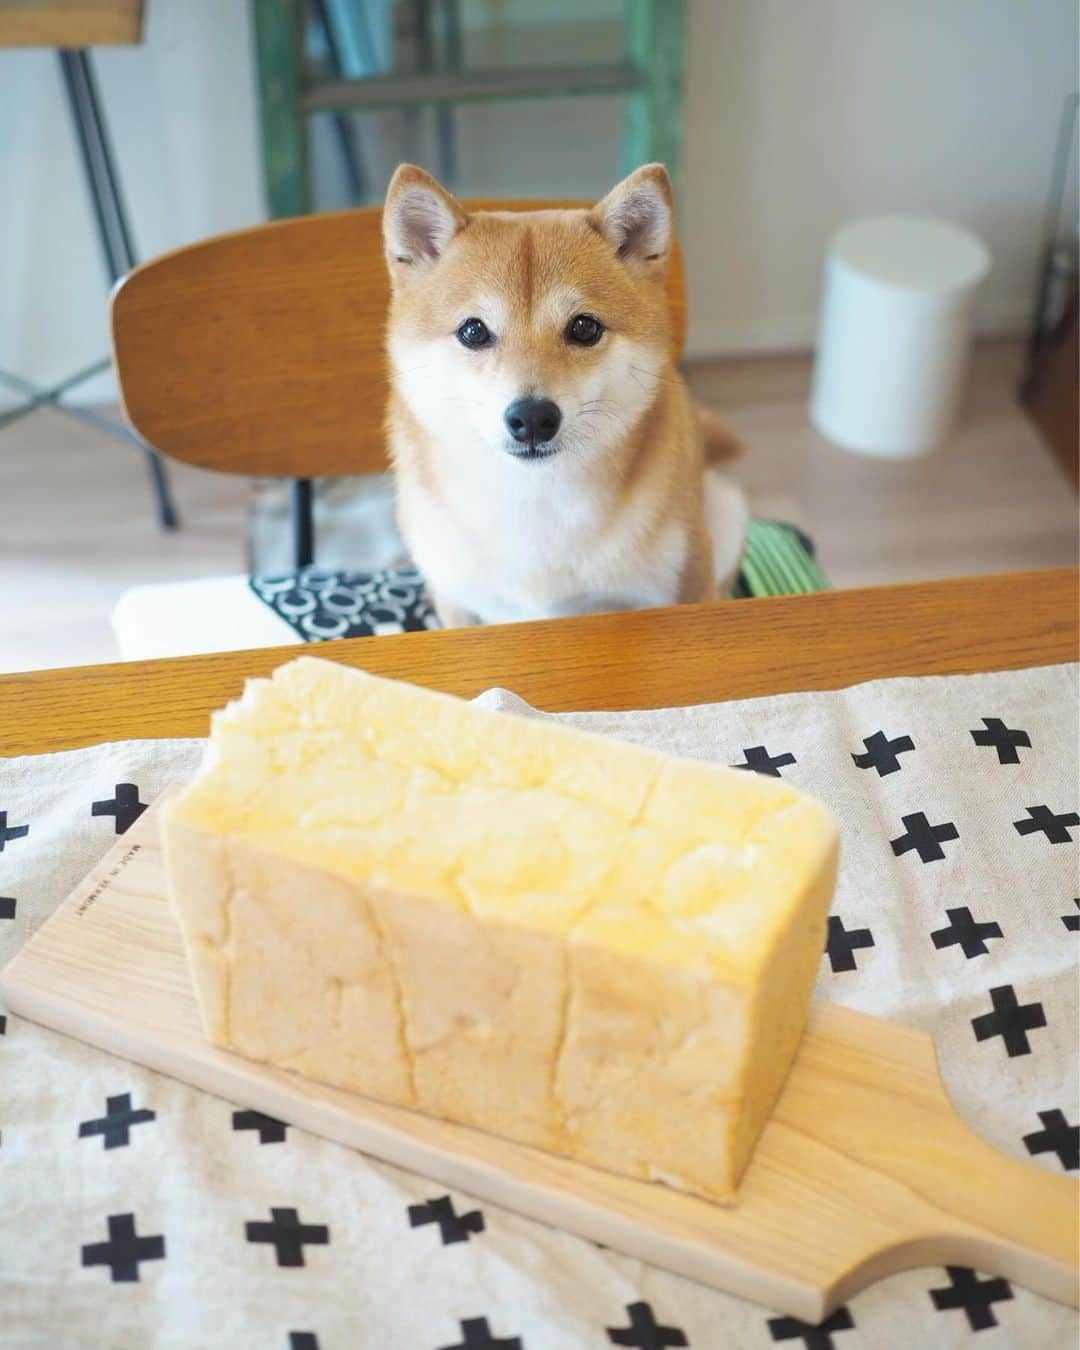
(863, 1170)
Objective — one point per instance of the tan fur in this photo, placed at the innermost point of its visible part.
(616, 516)
(721, 443)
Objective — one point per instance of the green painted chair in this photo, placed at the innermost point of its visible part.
(318, 56)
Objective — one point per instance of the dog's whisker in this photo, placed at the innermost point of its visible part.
(656, 375)
(588, 413)
(637, 378)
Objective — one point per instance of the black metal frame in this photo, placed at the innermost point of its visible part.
(1041, 319)
(303, 522)
(115, 236)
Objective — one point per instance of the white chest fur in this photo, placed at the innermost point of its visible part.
(513, 540)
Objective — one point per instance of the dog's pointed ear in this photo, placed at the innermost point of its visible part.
(419, 219)
(636, 217)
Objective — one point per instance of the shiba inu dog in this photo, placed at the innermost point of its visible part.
(548, 457)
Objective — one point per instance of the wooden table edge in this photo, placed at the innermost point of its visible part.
(638, 659)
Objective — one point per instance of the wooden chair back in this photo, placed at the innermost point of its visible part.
(262, 352)
(70, 23)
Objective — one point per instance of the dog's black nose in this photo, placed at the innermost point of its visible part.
(532, 421)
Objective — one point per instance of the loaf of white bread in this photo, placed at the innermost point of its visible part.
(560, 938)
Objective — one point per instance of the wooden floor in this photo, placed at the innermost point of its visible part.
(992, 500)
(76, 526)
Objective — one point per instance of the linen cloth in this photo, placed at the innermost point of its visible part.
(138, 1212)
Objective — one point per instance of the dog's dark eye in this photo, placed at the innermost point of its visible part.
(474, 333)
(584, 330)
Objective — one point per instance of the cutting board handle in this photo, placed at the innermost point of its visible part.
(960, 1201)
(1000, 1216)
(1029, 1218)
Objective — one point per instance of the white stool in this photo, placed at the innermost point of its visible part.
(895, 333)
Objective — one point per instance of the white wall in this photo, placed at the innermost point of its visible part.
(799, 115)
(803, 113)
(181, 112)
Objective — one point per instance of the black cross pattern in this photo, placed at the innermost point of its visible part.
(1056, 828)
(843, 943)
(7, 906)
(477, 1335)
(115, 1125)
(303, 1340)
(965, 1290)
(644, 1331)
(819, 1337)
(1056, 1136)
(123, 1251)
(925, 838)
(288, 1235)
(758, 760)
(1009, 1020)
(452, 1227)
(1003, 740)
(964, 931)
(1072, 921)
(10, 832)
(271, 1131)
(883, 754)
(125, 806)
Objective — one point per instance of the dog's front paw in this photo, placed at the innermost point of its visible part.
(451, 615)
(727, 519)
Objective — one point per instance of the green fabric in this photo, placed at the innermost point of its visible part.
(777, 561)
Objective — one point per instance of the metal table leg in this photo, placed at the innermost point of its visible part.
(303, 523)
(109, 212)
